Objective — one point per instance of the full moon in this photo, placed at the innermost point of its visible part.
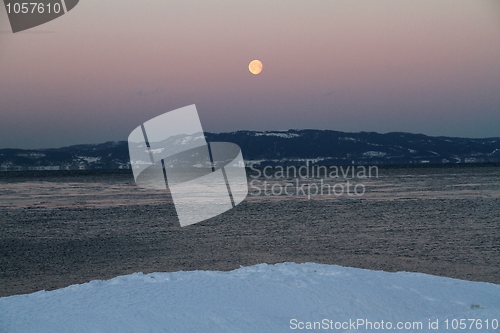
(255, 67)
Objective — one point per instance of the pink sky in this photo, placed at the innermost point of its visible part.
(94, 74)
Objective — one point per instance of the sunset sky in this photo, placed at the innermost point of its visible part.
(96, 73)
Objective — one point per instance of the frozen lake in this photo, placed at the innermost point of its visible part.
(61, 228)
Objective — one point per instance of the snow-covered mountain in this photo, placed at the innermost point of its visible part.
(279, 148)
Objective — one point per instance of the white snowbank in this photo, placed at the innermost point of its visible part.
(261, 298)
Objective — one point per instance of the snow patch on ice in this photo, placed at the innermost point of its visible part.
(261, 298)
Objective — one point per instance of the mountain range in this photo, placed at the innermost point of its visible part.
(292, 147)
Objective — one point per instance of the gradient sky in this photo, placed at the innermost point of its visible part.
(96, 73)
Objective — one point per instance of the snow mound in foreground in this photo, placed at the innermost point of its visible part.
(263, 298)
